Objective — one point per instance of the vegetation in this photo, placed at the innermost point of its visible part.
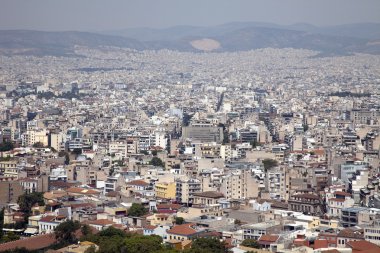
(157, 162)
(27, 201)
(137, 210)
(254, 144)
(5, 159)
(65, 232)
(207, 245)
(349, 94)
(251, 243)
(141, 243)
(6, 146)
(179, 220)
(49, 95)
(269, 163)
(186, 119)
(116, 240)
(144, 152)
(66, 155)
(8, 237)
(1, 222)
(38, 145)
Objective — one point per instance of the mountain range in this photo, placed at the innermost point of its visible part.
(236, 36)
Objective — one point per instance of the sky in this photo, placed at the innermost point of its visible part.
(102, 15)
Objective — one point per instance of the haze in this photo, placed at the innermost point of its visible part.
(98, 15)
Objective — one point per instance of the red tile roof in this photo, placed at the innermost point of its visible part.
(184, 229)
(150, 227)
(169, 206)
(138, 183)
(351, 233)
(31, 243)
(48, 218)
(84, 191)
(268, 238)
(362, 246)
(100, 222)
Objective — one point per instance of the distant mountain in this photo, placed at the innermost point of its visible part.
(58, 43)
(235, 36)
(369, 31)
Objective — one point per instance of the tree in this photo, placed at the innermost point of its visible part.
(6, 146)
(91, 249)
(137, 210)
(38, 145)
(66, 155)
(156, 162)
(65, 232)
(86, 230)
(67, 159)
(208, 245)
(251, 243)
(27, 201)
(10, 236)
(253, 144)
(154, 152)
(179, 220)
(140, 243)
(111, 231)
(1, 221)
(269, 163)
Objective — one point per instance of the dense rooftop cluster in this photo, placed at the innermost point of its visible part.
(272, 149)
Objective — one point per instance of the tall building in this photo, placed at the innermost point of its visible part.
(239, 184)
(9, 192)
(203, 132)
(185, 190)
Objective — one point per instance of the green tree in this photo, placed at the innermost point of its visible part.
(111, 231)
(86, 230)
(179, 220)
(208, 245)
(38, 145)
(65, 232)
(269, 163)
(66, 155)
(157, 162)
(91, 249)
(251, 243)
(10, 236)
(1, 222)
(27, 201)
(154, 152)
(6, 146)
(253, 144)
(140, 243)
(137, 210)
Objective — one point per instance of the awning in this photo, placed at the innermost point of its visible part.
(31, 231)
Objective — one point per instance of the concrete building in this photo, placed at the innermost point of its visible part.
(203, 133)
(9, 192)
(239, 184)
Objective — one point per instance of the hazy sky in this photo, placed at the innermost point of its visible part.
(96, 15)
